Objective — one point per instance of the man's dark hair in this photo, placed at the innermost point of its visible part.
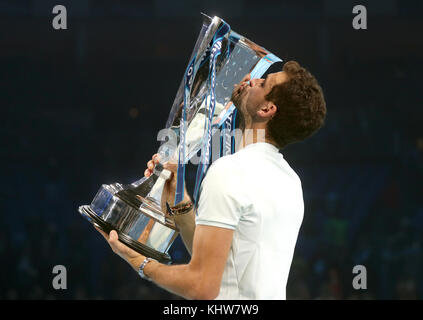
(301, 106)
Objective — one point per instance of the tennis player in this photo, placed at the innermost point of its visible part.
(243, 235)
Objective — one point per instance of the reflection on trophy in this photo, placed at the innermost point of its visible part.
(220, 59)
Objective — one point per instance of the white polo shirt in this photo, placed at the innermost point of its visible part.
(258, 195)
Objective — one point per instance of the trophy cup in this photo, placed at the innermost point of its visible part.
(220, 59)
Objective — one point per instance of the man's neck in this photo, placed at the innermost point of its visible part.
(254, 134)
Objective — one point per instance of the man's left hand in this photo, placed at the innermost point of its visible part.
(129, 255)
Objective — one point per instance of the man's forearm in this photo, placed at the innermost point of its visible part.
(181, 280)
(200, 278)
(186, 225)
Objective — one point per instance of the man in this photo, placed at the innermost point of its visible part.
(250, 209)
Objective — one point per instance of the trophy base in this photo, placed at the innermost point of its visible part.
(135, 245)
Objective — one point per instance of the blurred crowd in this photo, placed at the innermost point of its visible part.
(366, 212)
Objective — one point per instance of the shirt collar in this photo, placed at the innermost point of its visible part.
(262, 145)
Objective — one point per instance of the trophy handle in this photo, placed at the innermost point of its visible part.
(142, 187)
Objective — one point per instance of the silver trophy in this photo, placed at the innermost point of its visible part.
(220, 59)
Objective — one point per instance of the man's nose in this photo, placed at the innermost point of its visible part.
(254, 82)
(246, 78)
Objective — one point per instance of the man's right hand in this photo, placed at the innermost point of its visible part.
(170, 186)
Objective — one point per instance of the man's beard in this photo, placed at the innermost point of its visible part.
(241, 120)
(236, 99)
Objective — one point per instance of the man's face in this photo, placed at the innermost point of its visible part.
(250, 95)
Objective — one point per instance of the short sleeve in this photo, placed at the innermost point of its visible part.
(221, 199)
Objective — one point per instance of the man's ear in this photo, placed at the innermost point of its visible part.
(268, 110)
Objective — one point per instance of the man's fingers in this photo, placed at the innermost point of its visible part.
(156, 158)
(113, 239)
(104, 234)
(147, 173)
(150, 165)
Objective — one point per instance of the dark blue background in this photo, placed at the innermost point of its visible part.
(82, 106)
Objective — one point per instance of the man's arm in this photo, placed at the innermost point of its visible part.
(186, 225)
(184, 222)
(200, 278)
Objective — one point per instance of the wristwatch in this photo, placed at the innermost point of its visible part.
(141, 269)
